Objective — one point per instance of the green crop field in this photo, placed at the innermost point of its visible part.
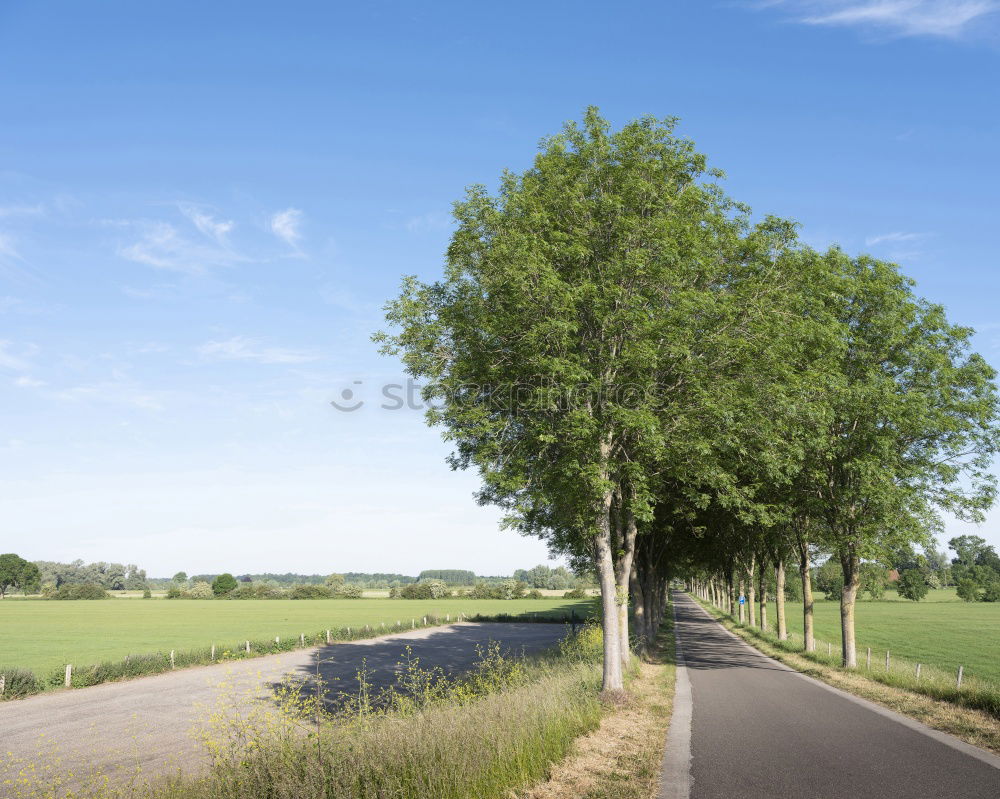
(940, 630)
(44, 635)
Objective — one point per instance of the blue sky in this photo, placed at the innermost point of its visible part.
(203, 207)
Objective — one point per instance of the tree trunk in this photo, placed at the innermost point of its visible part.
(763, 595)
(779, 598)
(751, 592)
(731, 584)
(742, 604)
(850, 564)
(638, 605)
(623, 572)
(612, 676)
(808, 633)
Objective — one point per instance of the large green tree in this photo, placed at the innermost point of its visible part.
(594, 326)
(911, 426)
(16, 572)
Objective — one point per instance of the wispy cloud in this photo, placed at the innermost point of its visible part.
(7, 211)
(287, 226)
(119, 391)
(240, 348)
(893, 238)
(943, 18)
(28, 382)
(162, 246)
(434, 220)
(9, 360)
(216, 229)
(7, 248)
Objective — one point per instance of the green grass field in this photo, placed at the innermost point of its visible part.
(940, 630)
(44, 635)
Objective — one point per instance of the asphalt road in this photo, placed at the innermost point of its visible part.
(759, 729)
(148, 728)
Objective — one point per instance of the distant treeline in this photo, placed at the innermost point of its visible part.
(118, 576)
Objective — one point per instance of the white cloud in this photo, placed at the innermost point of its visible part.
(161, 246)
(112, 392)
(216, 229)
(21, 210)
(8, 360)
(893, 238)
(944, 18)
(240, 348)
(287, 226)
(28, 382)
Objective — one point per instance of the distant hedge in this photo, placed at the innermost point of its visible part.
(85, 591)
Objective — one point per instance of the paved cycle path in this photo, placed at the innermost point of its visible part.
(147, 728)
(759, 730)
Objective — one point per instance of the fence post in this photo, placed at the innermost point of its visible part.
(918, 672)
(302, 639)
(248, 647)
(213, 651)
(868, 660)
(413, 624)
(448, 617)
(69, 675)
(171, 658)
(348, 632)
(425, 621)
(829, 648)
(887, 660)
(328, 636)
(277, 639)
(3, 683)
(961, 669)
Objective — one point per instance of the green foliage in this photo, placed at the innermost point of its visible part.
(991, 593)
(829, 579)
(16, 572)
(200, 590)
(912, 585)
(874, 581)
(349, 591)
(534, 593)
(180, 577)
(224, 584)
(84, 591)
(448, 576)
(111, 576)
(19, 683)
(147, 594)
(174, 592)
(334, 581)
(968, 590)
(310, 592)
(575, 593)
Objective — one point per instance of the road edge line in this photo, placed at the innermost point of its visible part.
(942, 737)
(675, 772)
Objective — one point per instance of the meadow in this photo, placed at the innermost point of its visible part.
(44, 635)
(940, 630)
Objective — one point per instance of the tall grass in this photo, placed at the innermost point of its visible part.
(933, 681)
(491, 732)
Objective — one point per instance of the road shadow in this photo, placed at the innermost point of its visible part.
(333, 673)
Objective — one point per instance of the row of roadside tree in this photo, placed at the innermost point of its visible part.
(659, 384)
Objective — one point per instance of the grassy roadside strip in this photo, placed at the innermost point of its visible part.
(491, 732)
(970, 724)
(621, 759)
(21, 683)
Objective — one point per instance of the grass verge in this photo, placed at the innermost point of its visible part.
(489, 733)
(621, 759)
(959, 712)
